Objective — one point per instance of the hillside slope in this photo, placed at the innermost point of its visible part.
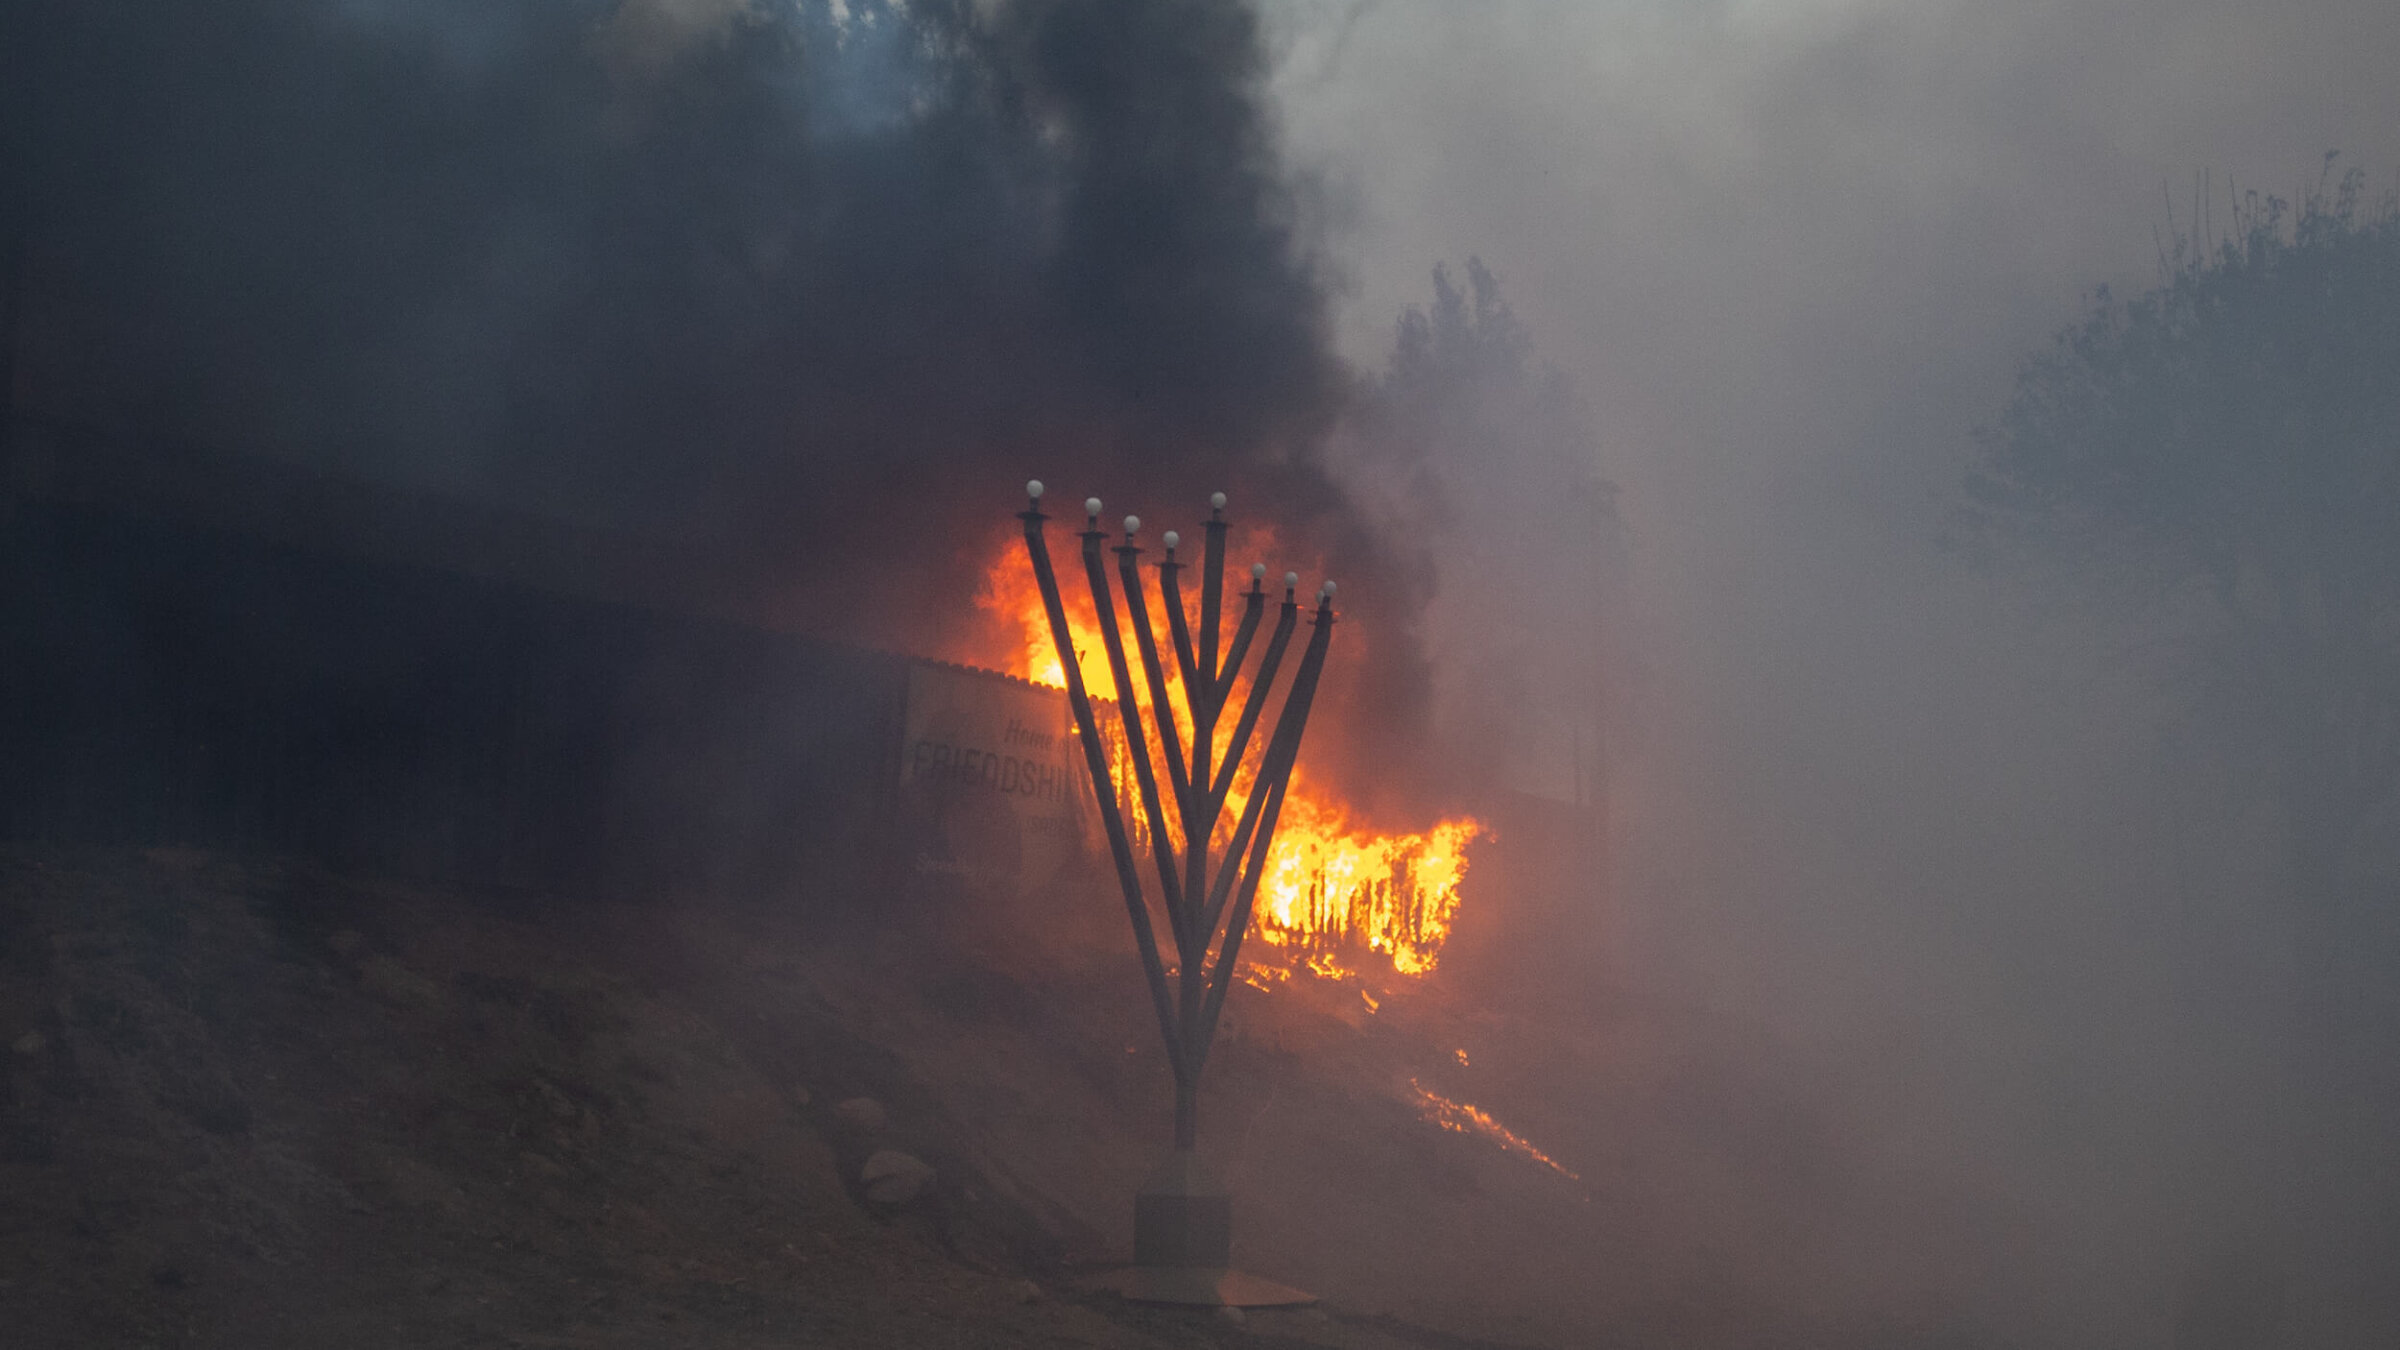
(254, 1103)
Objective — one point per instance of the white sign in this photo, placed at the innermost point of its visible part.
(993, 776)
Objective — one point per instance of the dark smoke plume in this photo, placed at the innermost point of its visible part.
(813, 285)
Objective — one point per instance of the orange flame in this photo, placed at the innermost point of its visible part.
(1467, 1118)
(1327, 885)
(1331, 894)
(1011, 596)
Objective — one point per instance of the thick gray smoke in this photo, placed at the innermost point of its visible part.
(1936, 837)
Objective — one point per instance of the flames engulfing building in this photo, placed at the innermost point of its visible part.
(733, 286)
(204, 651)
(210, 652)
(784, 287)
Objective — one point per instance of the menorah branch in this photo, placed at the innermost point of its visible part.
(1255, 702)
(1274, 779)
(1162, 708)
(1129, 719)
(1254, 603)
(1096, 761)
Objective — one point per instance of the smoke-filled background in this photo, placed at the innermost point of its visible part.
(1651, 495)
(1957, 831)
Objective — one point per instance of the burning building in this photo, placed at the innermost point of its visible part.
(797, 272)
(804, 269)
(1336, 896)
(557, 472)
(562, 470)
(412, 683)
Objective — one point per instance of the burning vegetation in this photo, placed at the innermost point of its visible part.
(1466, 1118)
(1337, 899)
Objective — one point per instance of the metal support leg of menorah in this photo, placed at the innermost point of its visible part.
(1183, 1217)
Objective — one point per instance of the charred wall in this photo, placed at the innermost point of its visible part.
(166, 679)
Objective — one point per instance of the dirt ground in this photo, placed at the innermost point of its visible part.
(250, 1104)
(260, 1104)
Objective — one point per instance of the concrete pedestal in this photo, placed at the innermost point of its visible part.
(1183, 1216)
(1183, 1245)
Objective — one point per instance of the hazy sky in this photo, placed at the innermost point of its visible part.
(1793, 252)
(1762, 231)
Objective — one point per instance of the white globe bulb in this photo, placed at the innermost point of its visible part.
(1290, 579)
(1173, 539)
(1133, 524)
(1327, 593)
(1091, 507)
(1257, 570)
(1216, 501)
(1034, 489)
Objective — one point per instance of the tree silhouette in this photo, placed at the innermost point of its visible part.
(2222, 456)
(1496, 456)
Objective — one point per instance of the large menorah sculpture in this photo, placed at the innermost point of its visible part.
(1182, 1218)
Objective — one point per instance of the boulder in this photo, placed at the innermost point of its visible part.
(892, 1178)
(865, 1113)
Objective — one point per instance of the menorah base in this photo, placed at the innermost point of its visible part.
(1183, 1216)
(1183, 1244)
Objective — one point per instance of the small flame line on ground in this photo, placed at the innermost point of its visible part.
(1465, 1118)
